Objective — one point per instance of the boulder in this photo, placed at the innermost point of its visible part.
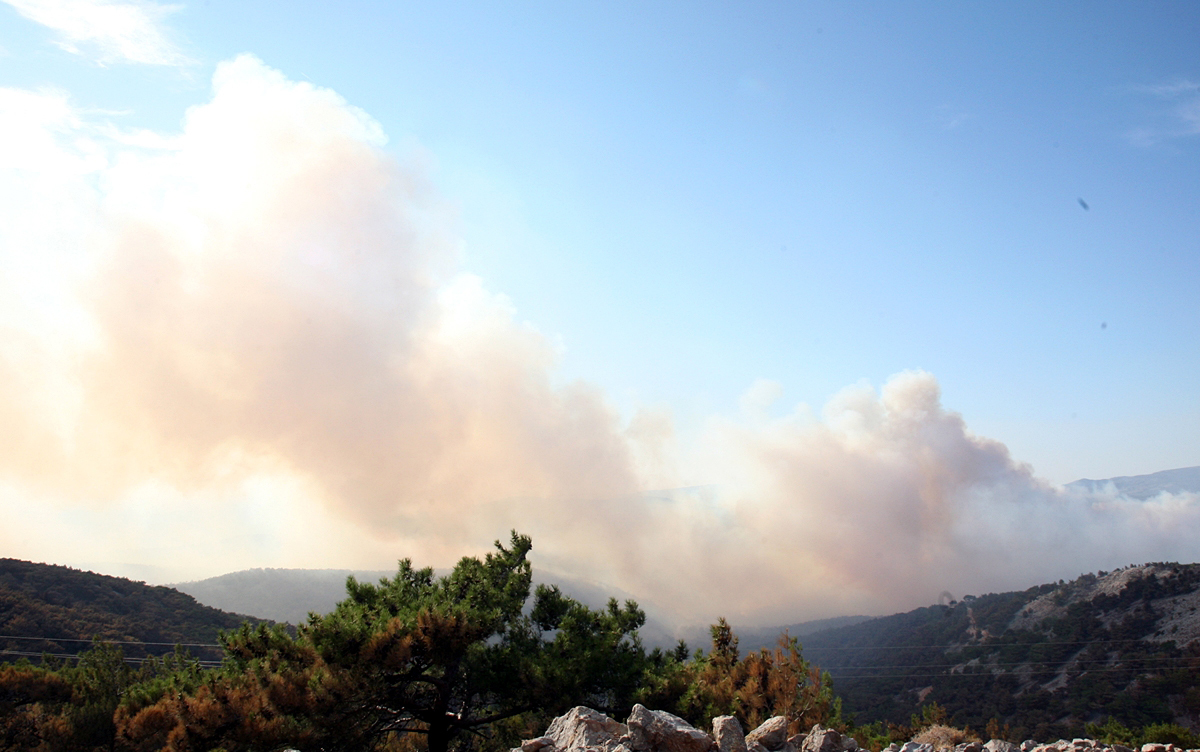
(580, 729)
(969, 747)
(772, 733)
(660, 731)
(727, 733)
(823, 740)
(999, 745)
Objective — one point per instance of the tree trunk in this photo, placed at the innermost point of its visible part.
(439, 737)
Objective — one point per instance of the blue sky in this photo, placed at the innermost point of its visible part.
(694, 196)
(686, 199)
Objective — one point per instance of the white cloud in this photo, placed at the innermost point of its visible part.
(951, 117)
(110, 31)
(1181, 120)
(1171, 90)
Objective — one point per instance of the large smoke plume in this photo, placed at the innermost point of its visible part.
(255, 336)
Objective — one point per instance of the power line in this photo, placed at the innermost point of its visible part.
(993, 645)
(77, 656)
(1027, 662)
(980, 675)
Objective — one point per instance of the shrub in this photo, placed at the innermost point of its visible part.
(944, 737)
(1170, 733)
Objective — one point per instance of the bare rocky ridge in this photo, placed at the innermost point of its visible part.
(1177, 619)
(585, 730)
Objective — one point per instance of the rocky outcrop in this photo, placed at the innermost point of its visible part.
(821, 739)
(586, 730)
(580, 730)
(772, 734)
(659, 731)
(727, 733)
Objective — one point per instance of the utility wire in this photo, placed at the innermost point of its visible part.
(980, 675)
(76, 656)
(993, 645)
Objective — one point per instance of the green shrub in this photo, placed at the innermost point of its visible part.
(1169, 733)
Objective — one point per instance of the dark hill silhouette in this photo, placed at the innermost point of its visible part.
(46, 608)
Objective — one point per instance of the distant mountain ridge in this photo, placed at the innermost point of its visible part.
(1142, 487)
(283, 595)
(289, 595)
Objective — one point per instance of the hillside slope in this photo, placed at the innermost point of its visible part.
(1046, 660)
(59, 610)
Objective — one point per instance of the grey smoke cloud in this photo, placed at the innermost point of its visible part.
(255, 335)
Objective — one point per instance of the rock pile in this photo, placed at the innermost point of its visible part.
(586, 730)
(1062, 745)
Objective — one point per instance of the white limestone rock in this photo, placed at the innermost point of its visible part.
(728, 734)
(580, 730)
(660, 731)
(772, 733)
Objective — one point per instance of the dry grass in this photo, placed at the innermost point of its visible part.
(944, 737)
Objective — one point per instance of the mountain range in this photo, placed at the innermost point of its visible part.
(1143, 487)
(289, 595)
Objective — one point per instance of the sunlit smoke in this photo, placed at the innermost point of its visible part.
(255, 337)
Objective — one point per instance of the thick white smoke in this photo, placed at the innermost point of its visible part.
(254, 336)
(266, 294)
(886, 499)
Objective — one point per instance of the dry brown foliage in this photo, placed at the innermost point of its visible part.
(944, 737)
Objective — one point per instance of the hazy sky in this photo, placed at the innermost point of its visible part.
(309, 284)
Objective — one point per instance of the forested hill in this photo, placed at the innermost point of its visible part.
(45, 608)
(1124, 644)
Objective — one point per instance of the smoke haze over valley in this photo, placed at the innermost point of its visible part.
(256, 340)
